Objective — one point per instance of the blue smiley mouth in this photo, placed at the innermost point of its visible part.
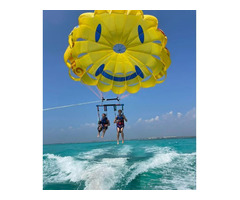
(138, 72)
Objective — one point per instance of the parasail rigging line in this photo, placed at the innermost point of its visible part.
(72, 105)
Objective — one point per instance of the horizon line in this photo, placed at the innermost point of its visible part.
(149, 138)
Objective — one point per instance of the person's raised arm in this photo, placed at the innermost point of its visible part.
(125, 118)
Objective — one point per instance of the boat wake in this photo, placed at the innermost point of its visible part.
(107, 168)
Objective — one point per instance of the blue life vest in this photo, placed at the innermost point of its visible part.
(104, 120)
(120, 120)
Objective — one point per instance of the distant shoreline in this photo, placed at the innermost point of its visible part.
(150, 138)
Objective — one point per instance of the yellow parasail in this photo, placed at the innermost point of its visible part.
(118, 50)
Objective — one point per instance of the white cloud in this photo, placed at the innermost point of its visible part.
(149, 120)
(152, 119)
(167, 115)
(90, 124)
(191, 114)
(171, 116)
(179, 114)
(139, 120)
(171, 123)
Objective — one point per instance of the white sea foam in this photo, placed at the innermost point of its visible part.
(124, 151)
(89, 155)
(105, 174)
(182, 179)
(60, 169)
(161, 157)
(157, 149)
(179, 182)
(100, 175)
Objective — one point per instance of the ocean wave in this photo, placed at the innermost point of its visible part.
(180, 174)
(90, 155)
(124, 150)
(57, 169)
(117, 166)
(105, 174)
(100, 175)
(178, 182)
(161, 157)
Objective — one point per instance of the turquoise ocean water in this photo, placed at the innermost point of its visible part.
(164, 164)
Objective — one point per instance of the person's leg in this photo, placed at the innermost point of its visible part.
(117, 135)
(122, 135)
(99, 130)
(103, 132)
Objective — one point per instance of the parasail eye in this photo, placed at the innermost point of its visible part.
(98, 32)
(140, 34)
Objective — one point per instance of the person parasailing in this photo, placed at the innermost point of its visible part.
(119, 120)
(103, 125)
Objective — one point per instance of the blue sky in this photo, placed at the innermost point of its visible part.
(168, 109)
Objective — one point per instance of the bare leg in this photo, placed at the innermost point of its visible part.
(117, 135)
(122, 135)
(99, 130)
(103, 133)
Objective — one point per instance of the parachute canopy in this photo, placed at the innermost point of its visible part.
(118, 50)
